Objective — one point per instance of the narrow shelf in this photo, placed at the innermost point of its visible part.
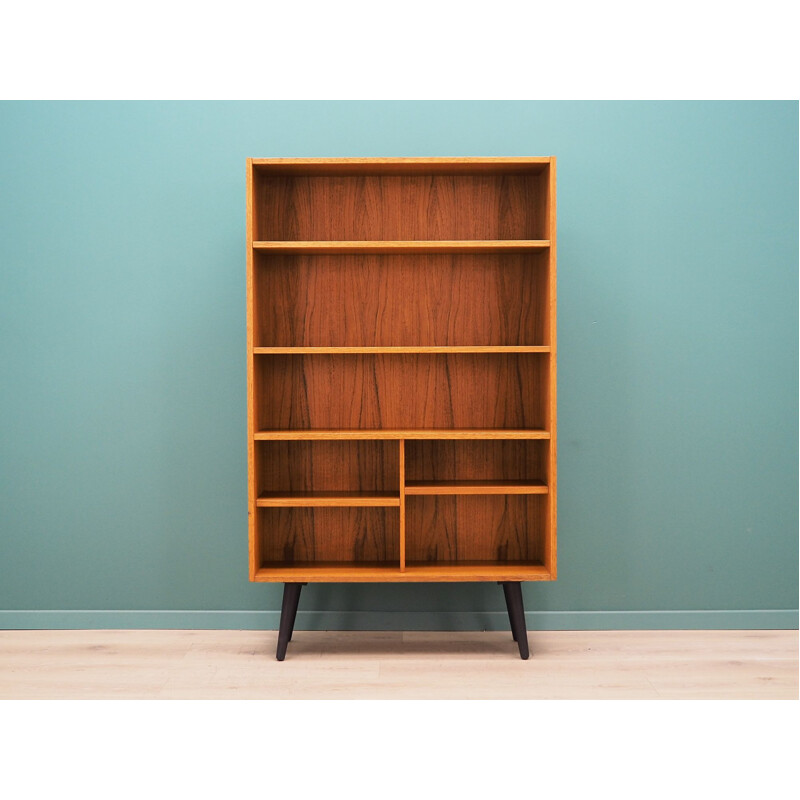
(298, 499)
(259, 351)
(428, 246)
(476, 487)
(415, 572)
(404, 433)
(475, 571)
(332, 571)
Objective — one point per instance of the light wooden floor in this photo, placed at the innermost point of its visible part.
(387, 665)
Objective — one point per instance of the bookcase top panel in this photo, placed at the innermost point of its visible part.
(400, 166)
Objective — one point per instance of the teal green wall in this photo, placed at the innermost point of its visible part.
(122, 360)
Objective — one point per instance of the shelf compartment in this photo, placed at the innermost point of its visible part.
(474, 487)
(393, 301)
(443, 530)
(303, 471)
(310, 499)
(512, 466)
(318, 434)
(406, 391)
(389, 247)
(340, 535)
(386, 203)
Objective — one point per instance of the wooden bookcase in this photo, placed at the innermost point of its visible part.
(401, 372)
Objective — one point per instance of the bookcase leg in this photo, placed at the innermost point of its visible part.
(291, 597)
(516, 616)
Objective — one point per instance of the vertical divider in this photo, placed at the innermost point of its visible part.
(402, 443)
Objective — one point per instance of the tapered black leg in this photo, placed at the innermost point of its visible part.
(508, 607)
(516, 615)
(291, 597)
(294, 612)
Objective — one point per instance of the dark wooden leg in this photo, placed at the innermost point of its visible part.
(294, 613)
(508, 607)
(291, 597)
(516, 613)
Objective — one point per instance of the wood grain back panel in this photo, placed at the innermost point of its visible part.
(329, 534)
(479, 460)
(401, 300)
(330, 466)
(401, 391)
(390, 207)
(475, 528)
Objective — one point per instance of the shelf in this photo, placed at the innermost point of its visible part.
(476, 487)
(303, 350)
(416, 572)
(410, 433)
(388, 247)
(348, 499)
(329, 571)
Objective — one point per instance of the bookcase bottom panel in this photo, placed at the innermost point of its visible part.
(364, 572)
(344, 535)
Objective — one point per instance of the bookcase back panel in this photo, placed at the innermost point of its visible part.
(334, 466)
(476, 460)
(400, 207)
(401, 300)
(341, 534)
(498, 528)
(401, 391)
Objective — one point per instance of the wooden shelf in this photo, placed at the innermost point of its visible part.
(389, 247)
(414, 572)
(347, 499)
(412, 433)
(476, 487)
(429, 349)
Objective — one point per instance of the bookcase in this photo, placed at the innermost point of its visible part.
(401, 373)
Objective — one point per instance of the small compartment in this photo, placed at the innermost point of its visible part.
(318, 536)
(359, 205)
(421, 299)
(493, 461)
(289, 468)
(490, 529)
(468, 390)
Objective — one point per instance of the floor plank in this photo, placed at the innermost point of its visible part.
(139, 664)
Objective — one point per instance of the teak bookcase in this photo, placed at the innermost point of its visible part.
(401, 373)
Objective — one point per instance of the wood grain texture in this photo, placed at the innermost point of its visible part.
(425, 301)
(408, 300)
(489, 528)
(289, 467)
(321, 499)
(402, 471)
(400, 207)
(495, 165)
(475, 487)
(552, 400)
(254, 557)
(443, 461)
(401, 391)
(321, 434)
(414, 572)
(329, 247)
(329, 534)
